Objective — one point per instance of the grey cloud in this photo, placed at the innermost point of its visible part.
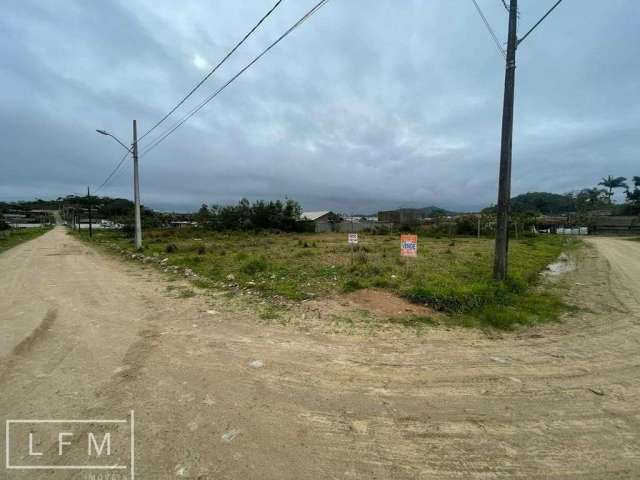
(368, 105)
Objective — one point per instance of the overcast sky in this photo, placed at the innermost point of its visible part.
(368, 105)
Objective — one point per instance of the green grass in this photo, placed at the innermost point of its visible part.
(449, 276)
(13, 237)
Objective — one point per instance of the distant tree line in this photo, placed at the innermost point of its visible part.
(259, 215)
(581, 201)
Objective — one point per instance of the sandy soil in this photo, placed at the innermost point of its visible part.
(383, 303)
(88, 336)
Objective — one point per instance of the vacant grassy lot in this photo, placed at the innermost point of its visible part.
(11, 238)
(452, 276)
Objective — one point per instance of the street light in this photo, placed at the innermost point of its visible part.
(104, 132)
(136, 183)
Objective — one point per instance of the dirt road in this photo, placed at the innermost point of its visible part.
(219, 395)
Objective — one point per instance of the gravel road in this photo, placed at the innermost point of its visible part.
(217, 394)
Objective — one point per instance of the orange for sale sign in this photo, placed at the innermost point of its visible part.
(409, 245)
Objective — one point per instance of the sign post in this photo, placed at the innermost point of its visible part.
(352, 240)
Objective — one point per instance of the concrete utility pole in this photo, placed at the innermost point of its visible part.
(504, 186)
(136, 188)
(136, 182)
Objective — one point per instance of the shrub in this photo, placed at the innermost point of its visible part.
(128, 230)
(171, 248)
(504, 318)
(254, 265)
(360, 257)
(351, 285)
(466, 298)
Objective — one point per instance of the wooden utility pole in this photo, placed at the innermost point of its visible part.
(136, 188)
(504, 186)
(90, 221)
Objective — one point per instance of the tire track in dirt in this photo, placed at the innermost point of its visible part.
(559, 401)
(38, 333)
(8, 363)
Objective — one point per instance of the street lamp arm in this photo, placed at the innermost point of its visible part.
(136, 184)
(104, 132)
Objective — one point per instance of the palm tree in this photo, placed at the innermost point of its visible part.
(611, 183)
(633, 196)
(595, 196)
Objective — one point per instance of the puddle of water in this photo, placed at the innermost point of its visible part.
(562, 265)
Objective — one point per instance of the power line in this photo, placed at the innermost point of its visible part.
(539, 21)
(491, 32)
(224, 59)
(113, 172)
(506, 7)
(184, 99)
(232, 79)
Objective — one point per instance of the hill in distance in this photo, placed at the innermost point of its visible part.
(421, 212)
(540, 202)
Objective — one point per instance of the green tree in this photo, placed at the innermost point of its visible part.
(260, 215)
(589, 199)
(204, 215)
(611, 183)
(633, 196)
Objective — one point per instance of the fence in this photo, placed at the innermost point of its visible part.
(573, 231)
(347, 227)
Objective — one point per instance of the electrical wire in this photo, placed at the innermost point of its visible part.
(213, 70)
(192, 91)
(491, 32)
(167, 133)
(113, 172)
(539, 21)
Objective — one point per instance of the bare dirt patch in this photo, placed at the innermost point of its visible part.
(384, 304)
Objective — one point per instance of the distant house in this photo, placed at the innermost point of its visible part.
(323, 216)
(182, 224)
(551, 223)
(27, 219)
(323, 221)
(616, 225)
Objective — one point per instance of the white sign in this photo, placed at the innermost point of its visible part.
(352, 238)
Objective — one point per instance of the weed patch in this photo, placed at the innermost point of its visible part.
(449, 275)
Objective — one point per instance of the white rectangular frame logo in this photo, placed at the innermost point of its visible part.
(130, 420)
